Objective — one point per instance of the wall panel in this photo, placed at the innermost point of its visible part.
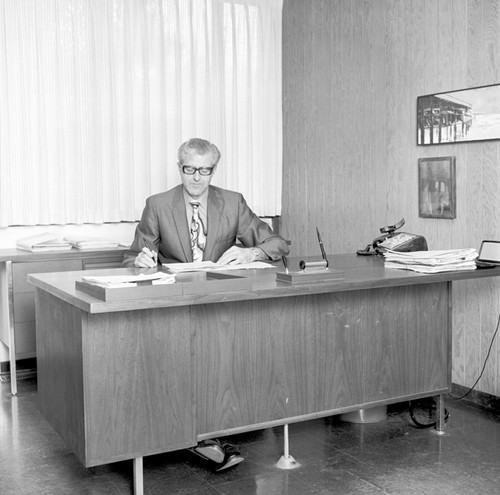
(352, 71)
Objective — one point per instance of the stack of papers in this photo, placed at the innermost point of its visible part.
(114, 281)
(43, 242)
(86, 242)
(432, 261)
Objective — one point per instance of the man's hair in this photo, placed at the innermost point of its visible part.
(197, 146)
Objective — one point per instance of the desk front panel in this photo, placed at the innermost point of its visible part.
(259, 362)
(127, 384)
(118, 385)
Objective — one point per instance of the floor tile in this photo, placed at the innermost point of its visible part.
(390, 457)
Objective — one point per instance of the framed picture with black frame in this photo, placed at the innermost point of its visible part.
(437, 187)
(459, 116)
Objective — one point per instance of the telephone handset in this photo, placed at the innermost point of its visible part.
(400, 241)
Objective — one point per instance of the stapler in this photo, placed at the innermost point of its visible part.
(221, 455)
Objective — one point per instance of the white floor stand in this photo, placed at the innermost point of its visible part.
(138, 476)
(286, 460)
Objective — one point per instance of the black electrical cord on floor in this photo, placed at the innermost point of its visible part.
(484, 365)
(418, 424)
(447, 415)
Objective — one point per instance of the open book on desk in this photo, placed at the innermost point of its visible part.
(209, 266)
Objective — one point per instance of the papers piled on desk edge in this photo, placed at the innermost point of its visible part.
(446, 260)
(43, 242)
(87, 242)
(115, 281)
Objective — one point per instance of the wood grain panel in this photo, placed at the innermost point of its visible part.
(126, 385)
(473, 312)
(138, 396)
(490, 290)
(459, 331)
(317, 353)
(491, 47)
(475, 42)
(60, 347)
(458, 235)
(383, 55)
(445, 76)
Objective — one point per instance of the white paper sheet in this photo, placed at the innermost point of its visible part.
(130, 280)
(205, 266)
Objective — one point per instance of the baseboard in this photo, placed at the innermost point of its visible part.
(476, 397)
(21, 365)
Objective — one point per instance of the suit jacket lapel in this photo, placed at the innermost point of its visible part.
(214, 213)
(181, 223)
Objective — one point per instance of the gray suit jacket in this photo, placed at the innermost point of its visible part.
(164, 228)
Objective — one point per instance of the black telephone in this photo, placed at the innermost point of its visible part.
(400, 241)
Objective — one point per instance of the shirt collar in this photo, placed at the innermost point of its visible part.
(202, 200)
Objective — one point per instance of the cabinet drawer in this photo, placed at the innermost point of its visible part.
(20, 271)
(25, 336)
(102, 263)
(24, 307)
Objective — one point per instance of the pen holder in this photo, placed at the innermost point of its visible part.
(313, 265)
(313, 271)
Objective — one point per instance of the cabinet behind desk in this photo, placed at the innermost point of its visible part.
(17, 296)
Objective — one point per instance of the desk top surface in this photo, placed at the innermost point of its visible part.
(360, 272)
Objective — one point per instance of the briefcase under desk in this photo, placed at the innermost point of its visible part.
(17, 296)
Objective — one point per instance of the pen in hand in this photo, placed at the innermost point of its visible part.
(151, 258)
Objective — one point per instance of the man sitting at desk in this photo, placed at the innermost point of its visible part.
(195, 221)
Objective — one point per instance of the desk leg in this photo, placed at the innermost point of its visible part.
(12, 336)
(138, 477)
(441, 414)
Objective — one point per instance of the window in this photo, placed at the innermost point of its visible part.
(97, 95)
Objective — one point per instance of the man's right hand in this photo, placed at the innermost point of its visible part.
(147, 258)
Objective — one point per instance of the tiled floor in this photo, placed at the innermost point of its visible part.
(388, 457)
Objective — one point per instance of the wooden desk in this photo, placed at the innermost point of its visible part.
(17, 298)
(122, 380)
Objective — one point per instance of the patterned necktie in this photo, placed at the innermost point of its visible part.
(198, 239)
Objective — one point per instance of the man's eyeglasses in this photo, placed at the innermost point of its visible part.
(188, 170)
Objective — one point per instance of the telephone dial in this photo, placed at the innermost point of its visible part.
(395, 241)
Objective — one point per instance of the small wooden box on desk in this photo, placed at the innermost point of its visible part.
(186, 283)
(17, 299)
(317, 271)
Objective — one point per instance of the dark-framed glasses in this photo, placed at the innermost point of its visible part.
(188, 170)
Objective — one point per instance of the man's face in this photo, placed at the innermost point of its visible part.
(196, 184)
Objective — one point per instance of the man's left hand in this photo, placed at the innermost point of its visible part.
(237, 255)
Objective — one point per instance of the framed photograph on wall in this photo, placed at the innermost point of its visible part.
(437, 187)
(459, 116)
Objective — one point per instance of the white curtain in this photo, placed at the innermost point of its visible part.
(97, 95)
